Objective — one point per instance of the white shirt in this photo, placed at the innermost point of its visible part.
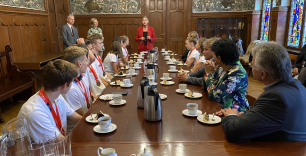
(193, 54)
(125, 52)
(201, 59)
(95, 89)
(76, 99)
(39, 118)
(108, 63)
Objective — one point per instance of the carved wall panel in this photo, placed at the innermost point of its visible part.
(27, 4)
(199, 6)
(105, 6)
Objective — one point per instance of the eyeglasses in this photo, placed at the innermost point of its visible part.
(252, 66)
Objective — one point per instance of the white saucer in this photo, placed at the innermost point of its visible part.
(162, 96)
(154, 83)
(217, 119)
(179, 91)
(137, 68)
(168, 83)
(172, 71)
(124, 86)
(120, 75)
(122, 68)
(117, 104)
(169, 78)
(139, 62)
(173, 54)
(111, 128)
(180, 64)
(185, 112)
(186, 71)
(94, 120)
(195, 95)
(106, 97)
(114, 83)
(135, 74)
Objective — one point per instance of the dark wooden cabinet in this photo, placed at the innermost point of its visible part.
(221, 27)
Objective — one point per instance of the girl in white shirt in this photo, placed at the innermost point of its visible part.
(125, 42)
(200, 59)
(110, 62)
(190, 44)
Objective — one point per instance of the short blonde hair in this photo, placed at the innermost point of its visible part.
(193, 34)
(73, 54)
(192, 40)
(124, 38)
(210, 41)
(92, 21)
(94, 37)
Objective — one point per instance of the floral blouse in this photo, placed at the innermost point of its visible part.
(229, 88)
(98, 31)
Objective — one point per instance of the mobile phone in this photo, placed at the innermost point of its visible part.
(123, 93)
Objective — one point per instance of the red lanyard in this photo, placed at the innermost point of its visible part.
(95, 75)
(189, 55)
(56, 116)
(82, 87)
(126, 53)
(100, 61)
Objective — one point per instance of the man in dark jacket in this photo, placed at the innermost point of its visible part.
(279, 112)
(299, 63)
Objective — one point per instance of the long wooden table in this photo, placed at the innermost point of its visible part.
(175, 135)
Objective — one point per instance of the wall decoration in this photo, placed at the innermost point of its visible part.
(199, 6)
(105, 6)
(277, 3)
(28, 4)
(265, 24)
(295, 22)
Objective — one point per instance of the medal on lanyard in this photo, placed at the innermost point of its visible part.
(56, 116)
(85, 92)
(95, 75)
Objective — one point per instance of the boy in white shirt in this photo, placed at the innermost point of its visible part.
(79, 97)
(190, 44)
(43, 118)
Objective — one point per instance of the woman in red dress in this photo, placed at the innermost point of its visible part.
(145, 36)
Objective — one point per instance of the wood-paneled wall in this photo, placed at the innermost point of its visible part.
(27, 34)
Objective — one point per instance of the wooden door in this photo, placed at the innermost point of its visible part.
(53, 26)
(177, 25)
(156, 12)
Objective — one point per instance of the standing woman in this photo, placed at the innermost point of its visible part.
(112, 58)
(145, 36)
(95, 29)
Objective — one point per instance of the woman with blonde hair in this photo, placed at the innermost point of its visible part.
(112, 58)
(95, 29)
(192, 34)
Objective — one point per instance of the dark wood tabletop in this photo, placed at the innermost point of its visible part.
(36, 62)
(174, 135)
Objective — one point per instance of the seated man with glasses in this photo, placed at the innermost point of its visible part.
(278, 113)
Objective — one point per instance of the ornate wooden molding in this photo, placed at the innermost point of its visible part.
(10, 9)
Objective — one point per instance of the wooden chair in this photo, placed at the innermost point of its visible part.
(12, 82)
(292, 58)
(251, 100)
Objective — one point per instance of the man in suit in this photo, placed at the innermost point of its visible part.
(279, 112)
(300, 63)
(69, 33)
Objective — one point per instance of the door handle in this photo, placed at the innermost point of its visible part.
(162, 34)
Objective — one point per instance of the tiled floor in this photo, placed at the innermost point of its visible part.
(10, 111)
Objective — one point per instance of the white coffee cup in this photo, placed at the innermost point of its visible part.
(182, 87)
(192, 108)
(163, 49)
(138, 60)
(104, 122)
(131, 71)
(166, 75)
(136, 65)
(106, 152)
(166, 52)
(172, 67)
(117, 98)
(167, 57)
(127, 82)
(170, 61)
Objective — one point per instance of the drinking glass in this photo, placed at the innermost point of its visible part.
(49, 144)
(67, 144)
(36, 149)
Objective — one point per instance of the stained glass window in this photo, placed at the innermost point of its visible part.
(265, 20)
(297, 7)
